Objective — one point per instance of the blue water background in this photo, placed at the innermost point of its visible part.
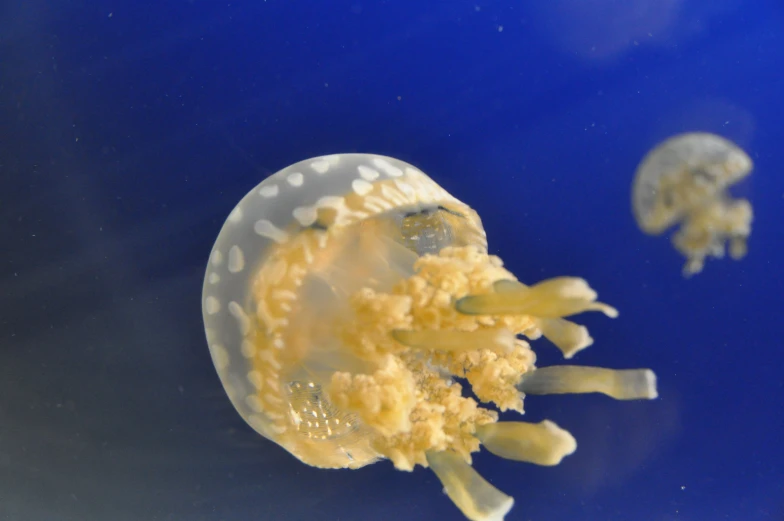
(128, 130)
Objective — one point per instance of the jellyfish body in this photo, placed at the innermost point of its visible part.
(344, 297)
(685, 180)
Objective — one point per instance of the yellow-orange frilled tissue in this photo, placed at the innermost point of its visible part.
(347, 294)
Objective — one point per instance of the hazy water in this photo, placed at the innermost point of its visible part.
(129, 130)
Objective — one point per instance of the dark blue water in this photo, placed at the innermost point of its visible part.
(128, 131)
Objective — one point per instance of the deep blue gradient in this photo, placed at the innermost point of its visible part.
(128, 130)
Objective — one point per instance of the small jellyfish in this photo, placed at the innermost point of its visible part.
(685, 180)
(349, 299)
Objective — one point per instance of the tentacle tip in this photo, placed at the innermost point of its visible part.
(466, 305)
(501, 510)
(650, 380)
(610, 311)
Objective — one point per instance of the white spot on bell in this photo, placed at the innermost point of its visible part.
(305, 215)
(277, 429)
(256, 380)
(236, 260)
(236, 215)
(248, 348)
(219, 356)
(361, 187)
(386, 167)
(211, 305)
(295, 179)
(254, 403)
(266, 229)
(320, 167)
(331, 201)
(407, 189)
(242, 318)
(367, 173)
(413, 172)
(269, 191)
(259, 424)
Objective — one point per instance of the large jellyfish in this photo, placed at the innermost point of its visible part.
(684, 180)
(349, 298)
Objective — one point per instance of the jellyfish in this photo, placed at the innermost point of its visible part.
(349, 306)
(685, 180)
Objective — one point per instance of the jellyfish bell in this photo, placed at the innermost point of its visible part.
(684, 180)
(346, 294)
(682, 173)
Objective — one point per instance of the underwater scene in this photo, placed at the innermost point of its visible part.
(287, 260)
